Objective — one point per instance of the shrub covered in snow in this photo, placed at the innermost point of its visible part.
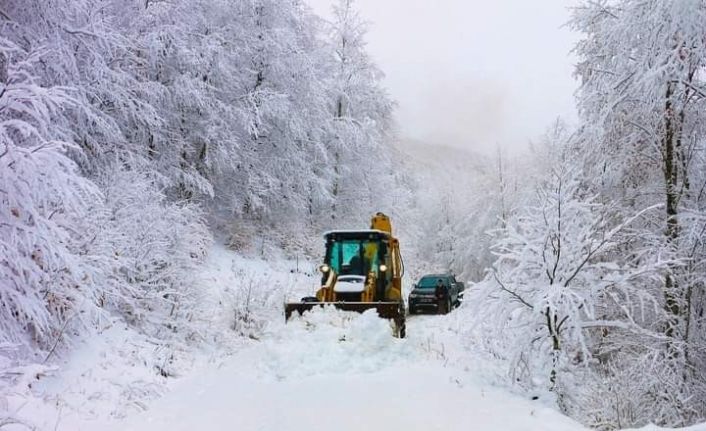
(152, 248)
(44, 203)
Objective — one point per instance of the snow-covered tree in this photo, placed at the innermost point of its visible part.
(152, 248)
(553, 277)
(642, 104)
(360, 117)
(72, 109)
(43, 200)
(641, 143)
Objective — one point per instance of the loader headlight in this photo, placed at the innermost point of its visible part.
(383, 268)
(324, 268)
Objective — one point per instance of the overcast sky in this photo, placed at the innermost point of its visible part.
(472, 73)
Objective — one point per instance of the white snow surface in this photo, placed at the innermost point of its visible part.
(325, 370)
(337, 370)
(350, 283)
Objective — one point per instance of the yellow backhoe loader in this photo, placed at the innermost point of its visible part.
(362, 270)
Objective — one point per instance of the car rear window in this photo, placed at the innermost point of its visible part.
(430, 282)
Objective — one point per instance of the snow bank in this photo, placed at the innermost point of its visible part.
(331, 341)
(116, 372)
(111, 374)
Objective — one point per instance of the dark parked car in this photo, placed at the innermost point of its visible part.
(438, 293)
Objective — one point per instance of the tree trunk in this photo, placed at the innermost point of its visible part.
(671, 178)
(336, 184)
(556, 344)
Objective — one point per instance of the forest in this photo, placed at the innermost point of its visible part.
(136, 134)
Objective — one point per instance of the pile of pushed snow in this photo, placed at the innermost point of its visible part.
(331, 341)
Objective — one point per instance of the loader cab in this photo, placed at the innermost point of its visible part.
(362, 264)
(356, 252)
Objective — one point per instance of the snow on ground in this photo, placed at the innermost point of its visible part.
(337, 370)
(113, 373)
(325, 370)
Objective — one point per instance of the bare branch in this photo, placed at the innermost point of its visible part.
(514, 294)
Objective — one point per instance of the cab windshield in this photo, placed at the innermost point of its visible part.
(354, 257)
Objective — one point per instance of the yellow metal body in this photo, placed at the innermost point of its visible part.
(388, 303)
(381, 222)
(393, 291)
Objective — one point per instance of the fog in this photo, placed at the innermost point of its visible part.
(470, 73)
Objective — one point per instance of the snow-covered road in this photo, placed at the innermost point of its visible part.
(341, 371)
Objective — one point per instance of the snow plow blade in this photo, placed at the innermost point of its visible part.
(387, 310)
